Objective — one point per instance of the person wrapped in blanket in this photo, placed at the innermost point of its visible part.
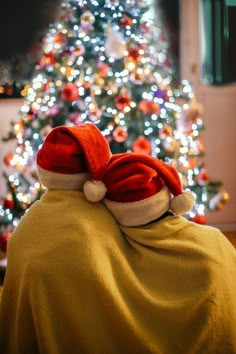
(178, 294)
(59, 254)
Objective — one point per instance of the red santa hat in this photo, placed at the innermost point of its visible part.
(71, 155)
(139, 189)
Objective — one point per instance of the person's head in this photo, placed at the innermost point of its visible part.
(71, 155)
(140, 188)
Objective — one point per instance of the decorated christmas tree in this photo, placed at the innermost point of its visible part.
(106, 61)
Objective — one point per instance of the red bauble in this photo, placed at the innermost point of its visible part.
(3, 241)
(199, 219)
(8, 158)
(126, 21)
(69, 92)
(142, 146)
(103, 69)
(202, 179)
(120, 135)
(122, 101)
(133, 54)
(8, 203)
(59, 38)
(149, 107)
(47, 59)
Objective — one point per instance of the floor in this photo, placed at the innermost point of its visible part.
(231, 236)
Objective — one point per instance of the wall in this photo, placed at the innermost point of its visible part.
(219, 115)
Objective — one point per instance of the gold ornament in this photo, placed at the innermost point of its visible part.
(87, 18)
(224, 197)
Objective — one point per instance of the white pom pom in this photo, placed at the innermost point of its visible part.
(182, 203)
(94, 190)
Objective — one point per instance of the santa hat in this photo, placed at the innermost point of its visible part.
(71, 155)
(139, 189)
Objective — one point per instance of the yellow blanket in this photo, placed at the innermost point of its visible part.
(74, 284)
(186, 287)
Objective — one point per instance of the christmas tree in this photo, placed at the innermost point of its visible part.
(106, 61)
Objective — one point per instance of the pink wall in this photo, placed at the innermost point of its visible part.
(219, 115)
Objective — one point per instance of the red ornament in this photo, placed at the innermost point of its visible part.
(59, 38)
(202, 178)
(103, 69)
(8, 203)
(86, 85)
(126, 21)
(142, 146)
(133, 54)
(69, 92)
(8, 158)
(9, 91)
(3, 241)
(149, 107)
(120, 135)
(199, 219)
(122, 101)
(192, 163)
(47, 59)
(166, 64)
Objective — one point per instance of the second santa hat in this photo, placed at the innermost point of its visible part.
(139, 189)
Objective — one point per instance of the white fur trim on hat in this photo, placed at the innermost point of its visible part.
(140, 212)
(54, 180)
(182, 203)
(94, 190)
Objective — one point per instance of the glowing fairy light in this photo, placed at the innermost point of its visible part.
(15, 222)
(16, 182)
(20, 139)
(201, 209)
(81, 91)
(133, 104)
(35, 136)
(183, 150)
(9, 216)
(63, 70)
(11, 178)
(58, 83)
(127, 109)
(35, 106)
